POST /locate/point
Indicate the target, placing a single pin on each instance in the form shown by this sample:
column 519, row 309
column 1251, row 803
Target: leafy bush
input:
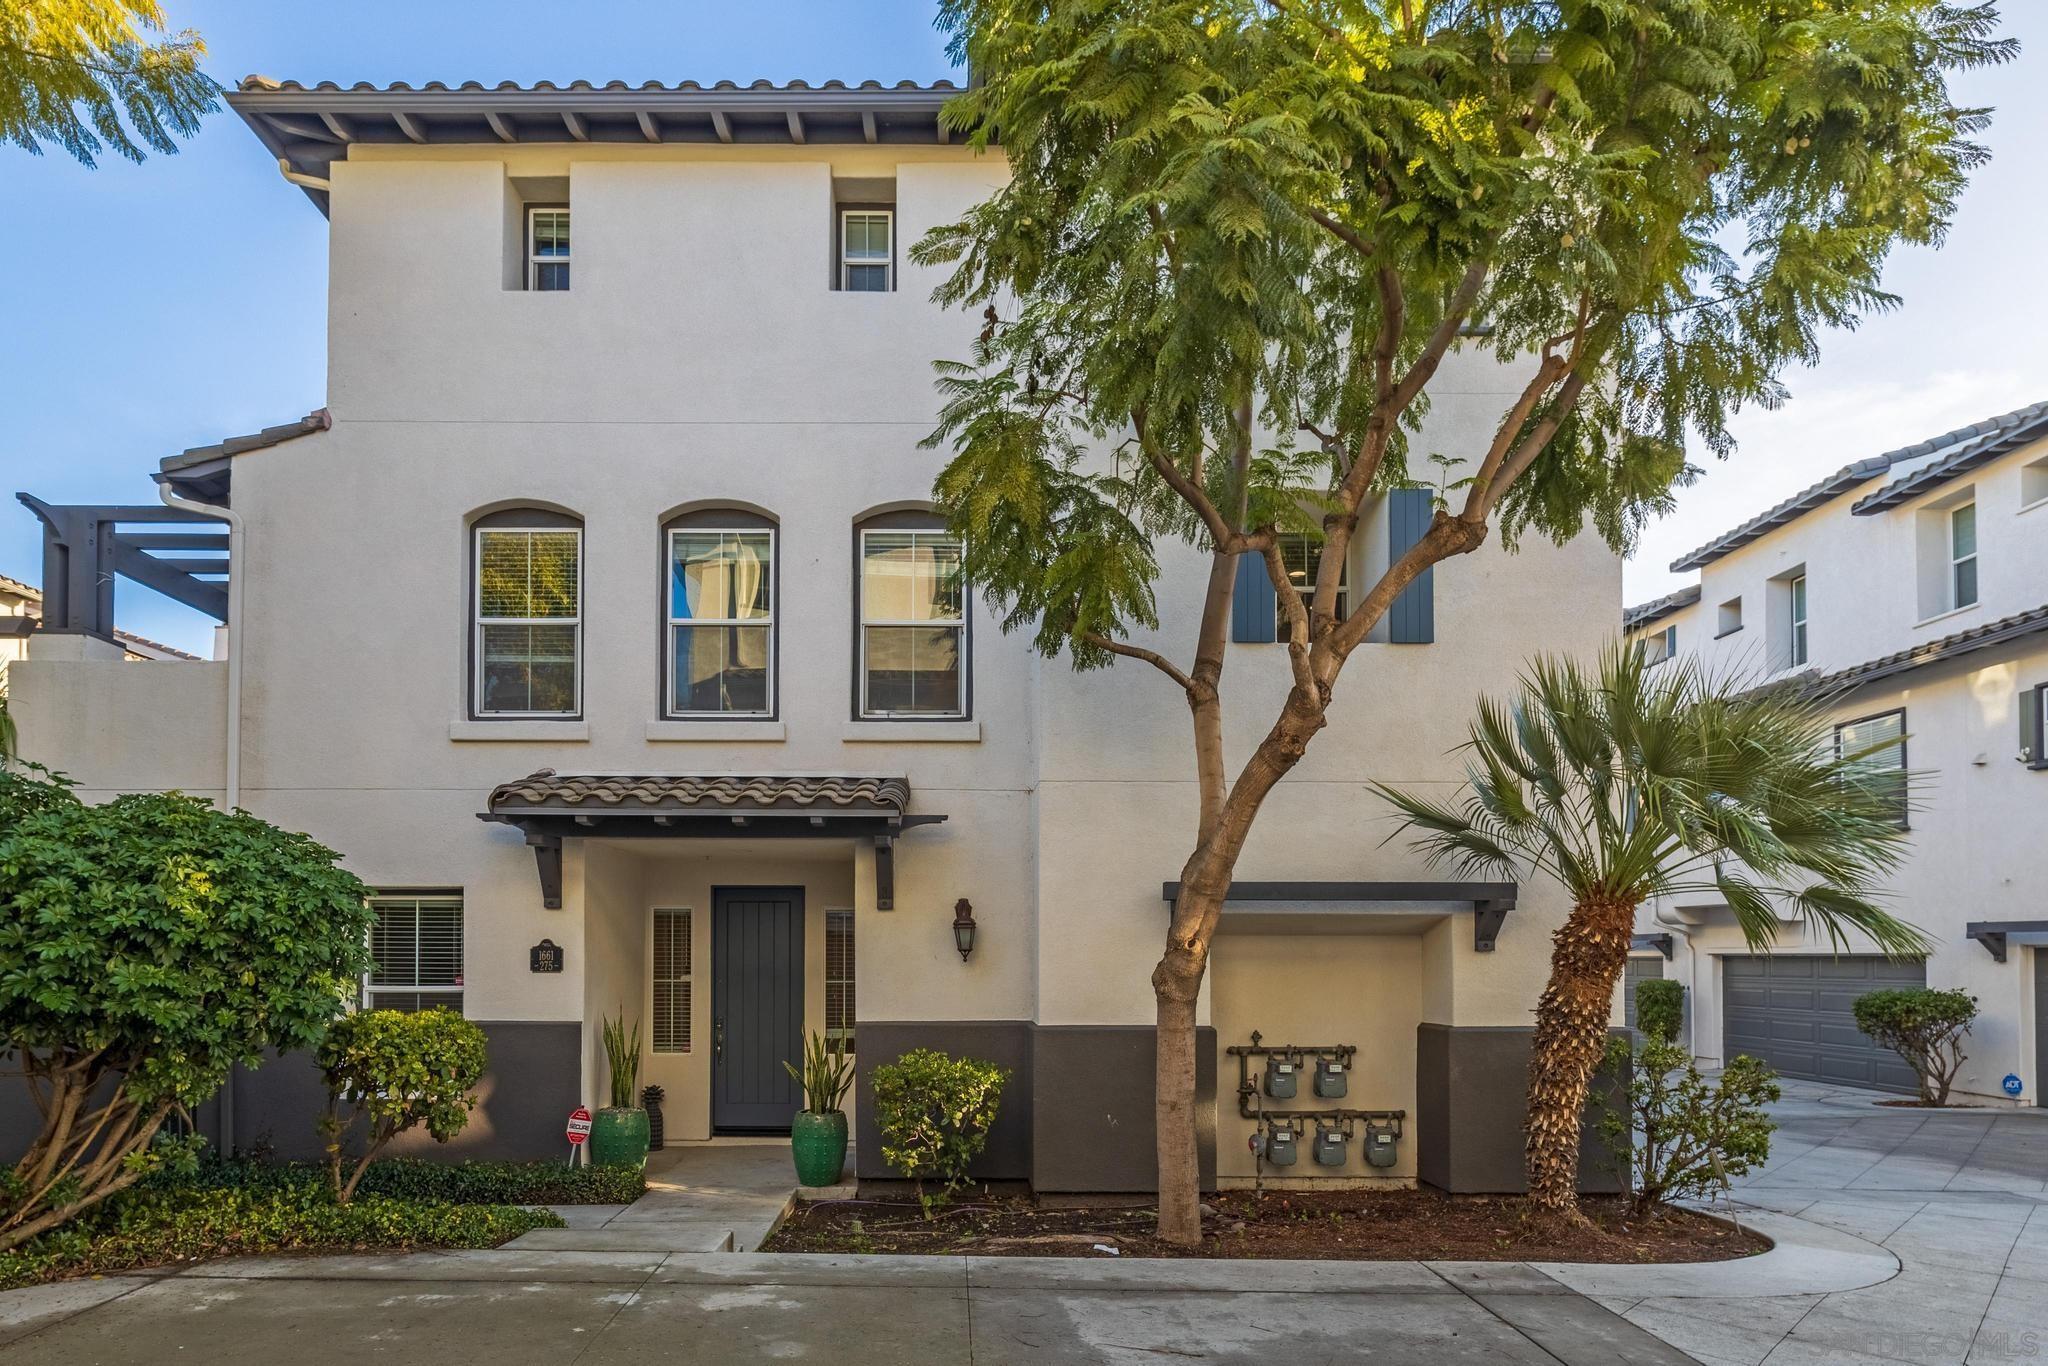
column 148, row 945
column 934, row 1113
column 453, row 1183
column 1684, row 1136
column 1660, row 1008
column 397, row 1070
column 160, row 1222
column 1923, row 1026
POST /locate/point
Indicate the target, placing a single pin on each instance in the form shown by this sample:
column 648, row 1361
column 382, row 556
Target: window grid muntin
column 547, row 272
column 867, row 258
column 416, row 989
column 1963, row 587
column 1302, row 556
column 956, row 624
column 670, row 565
column 839, row 960
column 671, row 974
column 1852, row 736
column 575, row 621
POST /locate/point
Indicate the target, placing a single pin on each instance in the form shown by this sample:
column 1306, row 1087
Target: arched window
column 719, row 600
column 912, row 656
column 526, row 612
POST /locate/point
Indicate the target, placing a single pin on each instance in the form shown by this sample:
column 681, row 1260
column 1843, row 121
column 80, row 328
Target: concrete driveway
column 1957, row 1196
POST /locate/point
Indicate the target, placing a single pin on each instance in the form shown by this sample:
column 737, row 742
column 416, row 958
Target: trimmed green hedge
column 452, row 1183
column 153, row 1224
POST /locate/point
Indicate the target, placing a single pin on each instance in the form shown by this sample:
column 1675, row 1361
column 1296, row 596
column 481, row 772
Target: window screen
column 1875, row 748
column 839, row 977
column 415, row 954
column 671, row 1030
column 721, row 622
column 913, row 625
column 529, row 631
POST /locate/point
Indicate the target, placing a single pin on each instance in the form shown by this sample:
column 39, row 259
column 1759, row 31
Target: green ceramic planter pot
column 818, row 1142
column 618, row 1138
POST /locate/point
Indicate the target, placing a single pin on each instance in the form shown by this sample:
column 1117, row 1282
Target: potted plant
column 817, row 1136
column 618, row 1132
column 651, row 1097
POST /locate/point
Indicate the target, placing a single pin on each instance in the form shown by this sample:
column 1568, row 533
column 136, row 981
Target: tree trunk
column 1180, row 1172
column 1571, row 1035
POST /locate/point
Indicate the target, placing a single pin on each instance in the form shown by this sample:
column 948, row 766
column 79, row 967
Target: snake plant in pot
column 618, row 1132
column 817, row 1135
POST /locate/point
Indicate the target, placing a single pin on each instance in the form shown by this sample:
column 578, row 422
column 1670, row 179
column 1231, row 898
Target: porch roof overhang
column 1998, row 935
column 1319, row 906
column 548, row 808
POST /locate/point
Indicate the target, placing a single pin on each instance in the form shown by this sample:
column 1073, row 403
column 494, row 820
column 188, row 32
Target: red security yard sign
column 579, row 1131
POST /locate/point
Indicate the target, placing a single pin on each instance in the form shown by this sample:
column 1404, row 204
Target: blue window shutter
column 1412, row 618
column 1251, row 602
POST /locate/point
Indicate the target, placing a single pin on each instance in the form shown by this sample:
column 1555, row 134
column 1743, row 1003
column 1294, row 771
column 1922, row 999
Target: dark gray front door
column 757, row 1007
column 1794, row 1011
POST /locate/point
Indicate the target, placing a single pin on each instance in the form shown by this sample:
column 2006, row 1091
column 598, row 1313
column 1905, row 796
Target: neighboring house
column 21, row 610
column 603, row 611
column 1910, row 590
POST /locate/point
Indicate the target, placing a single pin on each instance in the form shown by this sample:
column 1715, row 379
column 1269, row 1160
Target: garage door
column 1795, row 1014
column 1639, row 970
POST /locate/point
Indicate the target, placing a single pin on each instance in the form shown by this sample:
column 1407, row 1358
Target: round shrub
column 934, row 1113
column 1923, row 1026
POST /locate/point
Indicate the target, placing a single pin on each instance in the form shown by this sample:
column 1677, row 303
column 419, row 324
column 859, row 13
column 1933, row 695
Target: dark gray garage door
column 1639, row 969
column 1793, row 1012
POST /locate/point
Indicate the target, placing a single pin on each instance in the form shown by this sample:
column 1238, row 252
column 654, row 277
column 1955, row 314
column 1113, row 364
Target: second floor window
column 529, row 620
column 1661, row 646
column 1875, row 748
column 547, row 249
column 913, row 625
column 864, row 249
column 1796, row 591
column 1962, row 555
column 721, row 621
column 1303, row 556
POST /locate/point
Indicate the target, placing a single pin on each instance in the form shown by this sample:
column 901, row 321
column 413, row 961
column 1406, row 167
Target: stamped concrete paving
column 1960, row 1197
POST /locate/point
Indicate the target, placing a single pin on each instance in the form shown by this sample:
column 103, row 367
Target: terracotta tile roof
column 258, row 83
column 1991, row 633
column 547, row 788
column 1993, row 437
column 1642, row 614
column 319, row 420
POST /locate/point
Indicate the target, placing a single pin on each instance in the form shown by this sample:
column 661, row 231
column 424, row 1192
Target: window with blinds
column 1874, row 750
column 415, row 954
column 529, row 621
column 839, row 977
column 671, row 1027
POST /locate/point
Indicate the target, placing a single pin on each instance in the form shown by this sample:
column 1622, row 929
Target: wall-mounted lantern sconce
column 963, row 927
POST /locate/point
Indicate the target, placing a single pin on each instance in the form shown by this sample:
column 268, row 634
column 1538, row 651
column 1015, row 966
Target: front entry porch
column 701, row 1197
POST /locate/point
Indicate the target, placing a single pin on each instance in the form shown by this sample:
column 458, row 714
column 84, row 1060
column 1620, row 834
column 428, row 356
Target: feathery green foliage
column 1635, row 780
column 70, row 69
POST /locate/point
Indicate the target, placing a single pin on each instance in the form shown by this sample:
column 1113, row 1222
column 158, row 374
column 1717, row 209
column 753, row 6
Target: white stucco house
column 600, row 606
column 1910, row 590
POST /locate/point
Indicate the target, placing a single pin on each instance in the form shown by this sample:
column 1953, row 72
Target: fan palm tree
column 1636, row 780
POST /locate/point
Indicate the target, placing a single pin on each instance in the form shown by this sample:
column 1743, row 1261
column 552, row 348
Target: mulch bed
column 1351, row 1225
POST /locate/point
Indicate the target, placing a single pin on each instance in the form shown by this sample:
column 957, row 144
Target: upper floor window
column 547, row 249
column 1302, row 554
column 1730, row 618
column 528, row 616
column 415, row 953
column 865, row 250
column 721, row 616
column 1962, row 555
column 913, row 624
column 1660, row 646
column 1795, row 592
column 1875, row 749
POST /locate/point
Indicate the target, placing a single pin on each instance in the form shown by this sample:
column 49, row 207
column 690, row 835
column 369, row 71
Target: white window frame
column 1956, row 562
column 415, row 900
column 844, row 1033
column 668, row 691
column 687, row 980
column 1796, row 612
column 847, row 262
column 1307, row 590
column 478, row 621
column 534, row 260
column 860, row 589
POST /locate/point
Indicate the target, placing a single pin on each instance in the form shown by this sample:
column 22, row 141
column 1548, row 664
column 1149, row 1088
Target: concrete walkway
column 701, row 1197
column 1959, row 1197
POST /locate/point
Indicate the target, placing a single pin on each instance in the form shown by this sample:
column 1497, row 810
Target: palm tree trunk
column 1571, row 1035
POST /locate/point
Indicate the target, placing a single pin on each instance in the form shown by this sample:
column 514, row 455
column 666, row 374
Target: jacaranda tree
column 70, row 70
column 1240, row 236
column 1629, row 780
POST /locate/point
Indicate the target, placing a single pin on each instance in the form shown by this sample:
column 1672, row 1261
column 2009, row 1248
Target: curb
column 1805, row 1259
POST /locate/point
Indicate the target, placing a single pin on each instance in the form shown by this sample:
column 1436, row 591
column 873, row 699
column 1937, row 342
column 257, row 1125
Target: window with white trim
column 839, row 978
column 1962, row 555
column 1302, row 555
column 547, row 249
column 866, row 259
column 1874, row 749
column 670, row 1031
column 913, row 625
column 415, row 953
column 721, row 621
column 1795, row 592
column 528, row 609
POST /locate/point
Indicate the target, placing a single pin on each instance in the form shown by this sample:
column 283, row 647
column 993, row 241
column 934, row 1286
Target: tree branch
column 1139, row 652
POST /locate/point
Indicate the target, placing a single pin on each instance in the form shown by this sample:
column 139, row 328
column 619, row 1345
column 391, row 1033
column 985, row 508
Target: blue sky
column 150, row 308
